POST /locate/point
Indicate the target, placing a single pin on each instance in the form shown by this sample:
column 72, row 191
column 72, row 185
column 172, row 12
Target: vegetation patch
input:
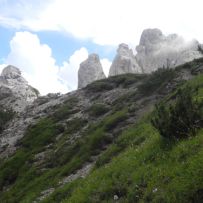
column 124, row 81
column 97, row 109
column 147, row 172
column 66, row 109
column 113, row 120
column 134, row 165
column 5, row 116
column 181, row 119
column 156, row 80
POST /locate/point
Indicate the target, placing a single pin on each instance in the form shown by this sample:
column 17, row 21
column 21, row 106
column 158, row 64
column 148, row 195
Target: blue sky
column 48, row 39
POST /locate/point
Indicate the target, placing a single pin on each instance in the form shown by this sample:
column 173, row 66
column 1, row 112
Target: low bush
column 97, row 110
column 5, row 116
column 66, row 109
column 180, row 119
column 113, row 120
column 156, row 80
column 100, row 86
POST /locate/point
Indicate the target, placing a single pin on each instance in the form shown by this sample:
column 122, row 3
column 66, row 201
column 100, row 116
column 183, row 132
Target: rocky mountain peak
column 15, row 92
column 93, row 57
column 156, row 50
column 90, row 70
column 11, row 72
column 124, row 62
column 124, row 50
column 150, row 36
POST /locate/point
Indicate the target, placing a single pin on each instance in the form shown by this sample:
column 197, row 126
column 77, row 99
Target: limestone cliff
column 90, row 70
column 156, row 50
column 124, row 62
column 15, row 92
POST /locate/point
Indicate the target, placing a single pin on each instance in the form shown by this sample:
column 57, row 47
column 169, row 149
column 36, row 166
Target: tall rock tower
column 15, row 92
column 124, row 62
column 90, row 70
column 156, row 50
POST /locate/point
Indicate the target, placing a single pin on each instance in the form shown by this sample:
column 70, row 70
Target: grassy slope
column 21, row 169
column 144, row 168
column 137, row 167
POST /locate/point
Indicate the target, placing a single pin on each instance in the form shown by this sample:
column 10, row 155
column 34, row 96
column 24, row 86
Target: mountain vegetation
column 132, row 138
column 5, row 116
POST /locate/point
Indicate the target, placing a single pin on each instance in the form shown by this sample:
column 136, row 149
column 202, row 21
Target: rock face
column 15, row 92
column 124, row 62
column 90, row 70
column 156, row 50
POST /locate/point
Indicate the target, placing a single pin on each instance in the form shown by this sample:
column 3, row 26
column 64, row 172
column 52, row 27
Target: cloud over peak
column 104, row 22
column 40, row 68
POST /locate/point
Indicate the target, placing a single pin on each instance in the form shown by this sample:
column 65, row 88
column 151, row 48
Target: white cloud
column 69, row 70
column 2, row 66
column 37, row 64
column 106, row 65
column 106, row 22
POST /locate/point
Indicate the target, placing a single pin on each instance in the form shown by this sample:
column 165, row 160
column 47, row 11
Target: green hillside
column 130, row 161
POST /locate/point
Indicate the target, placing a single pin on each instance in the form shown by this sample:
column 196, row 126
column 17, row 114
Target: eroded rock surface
column 15, row 92
column 90, row 70
column 156, row 50
column 124, row 62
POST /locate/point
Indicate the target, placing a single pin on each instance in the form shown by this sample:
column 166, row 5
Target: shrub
column 156, row 80
column 41, row 134
column 66, row 109
column 181, row 119
column 5, row 116
column 98, row 109
column 113, row 120
column 100, row 86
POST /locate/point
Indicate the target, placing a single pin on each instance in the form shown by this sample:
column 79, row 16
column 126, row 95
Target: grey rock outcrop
column 15, row 92
column 124, row 62
column 90, row 70
column 156, row 50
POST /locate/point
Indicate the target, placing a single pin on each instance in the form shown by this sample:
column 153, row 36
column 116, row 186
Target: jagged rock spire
column 156, row 50
column 15, row 92
column 124, row 62
column 90, row 70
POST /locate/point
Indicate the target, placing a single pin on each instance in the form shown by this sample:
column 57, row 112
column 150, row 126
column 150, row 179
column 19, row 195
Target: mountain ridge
column 68, row 138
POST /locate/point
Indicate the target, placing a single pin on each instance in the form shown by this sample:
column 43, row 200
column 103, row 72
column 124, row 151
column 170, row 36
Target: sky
column 47, row 40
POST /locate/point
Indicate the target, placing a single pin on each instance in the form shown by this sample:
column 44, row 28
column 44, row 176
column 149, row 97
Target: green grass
column 157, row 80
column 66, row 109
column 97, row 110
column 63, row 159
column 91, row 143
column 141, row 166
column 147, row 172
column 136, row 164
column 19, row 170
column 125, row 81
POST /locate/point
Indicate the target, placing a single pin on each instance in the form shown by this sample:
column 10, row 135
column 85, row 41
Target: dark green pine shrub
column 98, row 109
column 5, row 116
column 182, row 118
column 156, row 80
